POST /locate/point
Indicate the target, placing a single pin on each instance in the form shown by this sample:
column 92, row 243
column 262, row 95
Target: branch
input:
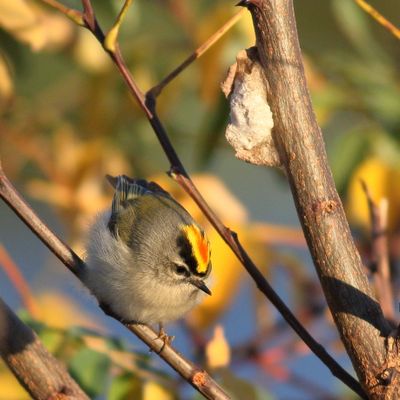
column 299, row 142
column 197, row 377
column 156, row 90
column 378, row 17
column 380, row 255
column 42, row 375
column 74, row 15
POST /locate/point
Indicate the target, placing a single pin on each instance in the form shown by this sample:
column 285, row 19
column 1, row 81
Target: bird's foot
column 167, row 340
column 164, row 336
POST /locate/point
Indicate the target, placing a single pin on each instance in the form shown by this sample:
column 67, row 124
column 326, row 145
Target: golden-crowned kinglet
column 147, row 260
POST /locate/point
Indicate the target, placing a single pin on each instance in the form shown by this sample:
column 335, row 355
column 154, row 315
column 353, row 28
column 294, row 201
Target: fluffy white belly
column 157, row 303
column 132, row 294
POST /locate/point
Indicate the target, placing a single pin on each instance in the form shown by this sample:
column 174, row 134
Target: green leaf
column 125, row 386
column 347, row 151
column 51, row 339
column 356, row 25
column 90, row 369
column 239, row 388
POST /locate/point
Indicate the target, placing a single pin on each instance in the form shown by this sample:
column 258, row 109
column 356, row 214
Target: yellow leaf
column 20, row 20
column 153, row 391
column 60, row 311
column 221, row 200
column 32, row 25
column 6, row 83
column 217, row 350
column 90, row 54
column 383, row 181
column 10, row 387
column 57, row 194
column 246, row 27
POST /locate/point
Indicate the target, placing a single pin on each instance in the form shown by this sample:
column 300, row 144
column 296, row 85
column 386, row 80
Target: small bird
column 147, row 260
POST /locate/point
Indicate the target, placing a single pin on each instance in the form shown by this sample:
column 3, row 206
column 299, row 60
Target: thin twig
column 378, row 17
column 156, row 90
column 88, row 15
column 17, row 279
column 10, row 195
column 380, row 253
column 75, row 15
column 197, row 377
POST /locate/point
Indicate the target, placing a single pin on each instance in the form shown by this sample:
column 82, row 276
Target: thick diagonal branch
column 43, row 376
column 298, row 139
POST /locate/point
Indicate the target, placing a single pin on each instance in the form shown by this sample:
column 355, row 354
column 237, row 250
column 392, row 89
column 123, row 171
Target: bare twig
column 380, row 253
column 156, row 90
column 74, row 15
column 88, row 15
column 378, row 17
column 10, row 195
column 42, row 375
column 179, row 173
column 17, row 279
column 197, row 377
column 297, row 136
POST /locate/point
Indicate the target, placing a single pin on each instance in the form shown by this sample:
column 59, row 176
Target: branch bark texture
column 42, row 375
column 299, row 141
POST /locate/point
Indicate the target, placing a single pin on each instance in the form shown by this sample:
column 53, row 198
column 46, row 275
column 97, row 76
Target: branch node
column 150, row 99
column 110, row 41
column 200, row 378
column 247, row 3
column 386, row 376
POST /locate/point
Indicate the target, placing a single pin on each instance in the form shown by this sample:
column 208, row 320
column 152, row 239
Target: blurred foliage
column 67, row 120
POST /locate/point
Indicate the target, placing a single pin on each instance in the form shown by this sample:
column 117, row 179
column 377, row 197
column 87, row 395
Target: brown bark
column 357, row 314
column 43, row 376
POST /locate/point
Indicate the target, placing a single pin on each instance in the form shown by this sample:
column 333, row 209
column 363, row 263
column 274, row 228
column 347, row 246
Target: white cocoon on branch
column 250, row 123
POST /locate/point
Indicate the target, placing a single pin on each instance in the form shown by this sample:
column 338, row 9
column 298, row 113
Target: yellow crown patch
column 200, row 247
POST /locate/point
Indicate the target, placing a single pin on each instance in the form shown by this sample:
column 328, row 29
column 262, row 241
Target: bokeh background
column 66, row 120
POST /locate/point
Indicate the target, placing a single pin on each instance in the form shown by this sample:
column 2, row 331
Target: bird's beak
column 201, row 285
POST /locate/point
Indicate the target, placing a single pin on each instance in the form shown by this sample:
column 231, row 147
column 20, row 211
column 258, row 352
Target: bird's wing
column 128, row 189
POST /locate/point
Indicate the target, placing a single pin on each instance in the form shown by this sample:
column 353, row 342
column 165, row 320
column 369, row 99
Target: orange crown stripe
column 200, row 247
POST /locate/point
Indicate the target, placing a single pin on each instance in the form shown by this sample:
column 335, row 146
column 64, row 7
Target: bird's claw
column 162, row 335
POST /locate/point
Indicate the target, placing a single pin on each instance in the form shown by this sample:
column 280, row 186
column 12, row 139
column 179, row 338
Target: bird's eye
column 180, row 270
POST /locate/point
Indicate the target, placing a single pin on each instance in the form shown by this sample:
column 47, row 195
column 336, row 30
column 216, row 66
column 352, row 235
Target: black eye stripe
column 186, row 252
